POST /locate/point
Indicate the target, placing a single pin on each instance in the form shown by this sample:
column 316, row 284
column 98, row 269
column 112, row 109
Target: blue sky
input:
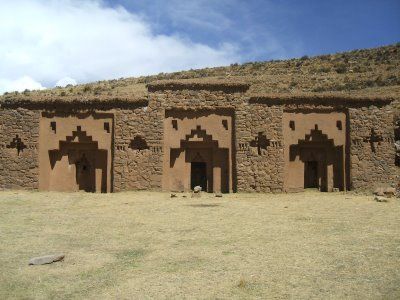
column 276, row 29
column 56, row 42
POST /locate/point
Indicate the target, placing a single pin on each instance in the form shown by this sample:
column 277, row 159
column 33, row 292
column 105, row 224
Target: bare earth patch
column 147, row 245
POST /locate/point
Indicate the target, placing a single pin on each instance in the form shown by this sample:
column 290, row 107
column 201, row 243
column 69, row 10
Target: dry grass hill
column 365, row 73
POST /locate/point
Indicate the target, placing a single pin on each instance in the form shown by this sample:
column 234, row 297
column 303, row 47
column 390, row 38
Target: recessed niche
column 53, row 126
column 107, row 127
column 225, row 124
column 339, row 125
column 138, row 143
column 292, row 125
column 316, row 127
column 78, row 128
column 261, row 142
column 374, row 139
column 18, row 144
column 175, row 124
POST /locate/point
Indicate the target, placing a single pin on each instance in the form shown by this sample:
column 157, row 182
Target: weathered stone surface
column 196, row 195
column 374, row 166
column 257, row 168
column 390, row 191
column 19, row 169
column 385, row 192
column 48, row 259
column 381, row 199
column 379, row 192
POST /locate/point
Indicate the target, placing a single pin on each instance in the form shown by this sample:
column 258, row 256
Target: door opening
column 198, row 175
column 85, row 175
column 311, row 175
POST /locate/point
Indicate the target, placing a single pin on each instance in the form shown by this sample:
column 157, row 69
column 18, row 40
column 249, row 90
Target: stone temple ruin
column 185, row 133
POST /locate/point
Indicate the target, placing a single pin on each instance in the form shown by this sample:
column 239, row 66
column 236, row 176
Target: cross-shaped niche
column 138, row 143
column 18, row 144
column 373, row 139
column 260, row 142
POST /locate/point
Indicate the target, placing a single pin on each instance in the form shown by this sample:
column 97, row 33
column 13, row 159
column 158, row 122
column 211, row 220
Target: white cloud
column 87, row 41
column 20, row 84
column 66, row 81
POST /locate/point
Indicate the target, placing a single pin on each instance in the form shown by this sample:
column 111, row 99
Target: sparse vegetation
column 341, row 68
column 370, row 72
column 146, row 245
column 87, row 88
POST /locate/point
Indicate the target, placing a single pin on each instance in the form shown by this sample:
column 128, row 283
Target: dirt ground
column 143, row 245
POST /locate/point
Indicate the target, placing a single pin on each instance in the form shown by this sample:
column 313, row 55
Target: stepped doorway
column 319, row 162
column 78, row 164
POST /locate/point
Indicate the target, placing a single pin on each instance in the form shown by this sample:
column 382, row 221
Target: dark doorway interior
column 198, row 175
column 311, row 174
column 85, row 174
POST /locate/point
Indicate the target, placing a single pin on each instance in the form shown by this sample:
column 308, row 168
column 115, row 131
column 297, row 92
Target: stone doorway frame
column 317, row 147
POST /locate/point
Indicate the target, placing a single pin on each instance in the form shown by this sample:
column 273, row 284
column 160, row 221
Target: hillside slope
column 368, row 72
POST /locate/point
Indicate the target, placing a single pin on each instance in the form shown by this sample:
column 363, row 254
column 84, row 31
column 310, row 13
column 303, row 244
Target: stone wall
column 19, row 134
column 257, row 139
column 258, row 158
column 138, row 149
column 372, row 147
column 256, row 167
column 200, row 101
column 259, row 150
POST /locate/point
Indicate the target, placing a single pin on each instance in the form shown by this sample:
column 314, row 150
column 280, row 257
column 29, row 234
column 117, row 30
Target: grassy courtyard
column 148, row 245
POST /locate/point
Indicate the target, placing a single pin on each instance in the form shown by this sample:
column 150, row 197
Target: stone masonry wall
column 138, row 166
column 254, row 170
column 258, row 143
column 259, row 167
column 19, row 133
column 196, row 101
column 372, row 152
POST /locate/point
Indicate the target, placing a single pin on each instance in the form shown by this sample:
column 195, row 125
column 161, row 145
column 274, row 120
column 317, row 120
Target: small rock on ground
column 197, row 189
column 380, row 199
column 48, row 259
